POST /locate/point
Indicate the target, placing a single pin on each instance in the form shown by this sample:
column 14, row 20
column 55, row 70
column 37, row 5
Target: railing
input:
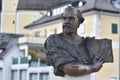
column 37, row 64
column 21, row 60
column 36, row 40
column 15, row 61
column 24, row 60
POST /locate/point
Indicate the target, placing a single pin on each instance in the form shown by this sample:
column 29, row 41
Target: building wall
column 9, row 5
column 13, row 52
column 106, row 24
column 99, row 25
column 24, row 18
column 89, row 24
column 49, row 28
column 8, row 16
column 110, row 69
column 16, row 20
column 8, row 22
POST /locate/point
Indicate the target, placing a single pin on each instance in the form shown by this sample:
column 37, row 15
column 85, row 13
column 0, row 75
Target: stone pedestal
column 85, row 77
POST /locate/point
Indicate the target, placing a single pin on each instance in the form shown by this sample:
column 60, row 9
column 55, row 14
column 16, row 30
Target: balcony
column 20, row 63
column 24, row 60
column 37, row 64
column 15, row 61
column 33, row 40
column 21, row 60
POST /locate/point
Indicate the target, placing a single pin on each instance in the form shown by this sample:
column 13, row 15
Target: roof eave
column 97, row 9
column 46, row 21
column 59, row 17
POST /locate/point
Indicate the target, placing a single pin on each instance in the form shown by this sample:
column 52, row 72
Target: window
column 14, row 4
column 55, row 31
column 13, row 21
column 82, row 29
column 114, row 28
column 43, row 13
column 44, row 76
column 1, row 50
column 54, row 12
column 33, row 76
column 59, row 10
column 45, row 33
column 37, row 34
column 23, row 74
column 14, row 75
column 22, row 53
column 1, row 73
column 113, row 78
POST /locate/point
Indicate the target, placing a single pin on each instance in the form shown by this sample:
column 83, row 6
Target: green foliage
column 33, row 54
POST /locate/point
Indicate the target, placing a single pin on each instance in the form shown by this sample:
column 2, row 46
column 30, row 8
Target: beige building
column 101, row 21
column 13, row 21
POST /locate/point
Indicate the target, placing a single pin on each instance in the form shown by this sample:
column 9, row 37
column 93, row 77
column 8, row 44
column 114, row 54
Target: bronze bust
column 72, row 54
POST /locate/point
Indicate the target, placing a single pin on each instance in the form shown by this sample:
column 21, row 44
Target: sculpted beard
column 67, row 28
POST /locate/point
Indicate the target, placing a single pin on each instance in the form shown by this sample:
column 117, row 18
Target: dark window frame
column 114, row 28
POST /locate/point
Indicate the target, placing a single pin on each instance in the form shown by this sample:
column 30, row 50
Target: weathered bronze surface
column 72, row 54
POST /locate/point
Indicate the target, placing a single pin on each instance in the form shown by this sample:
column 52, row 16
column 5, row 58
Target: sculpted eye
column 64, row 18
column 71, row 18
column 68, row 18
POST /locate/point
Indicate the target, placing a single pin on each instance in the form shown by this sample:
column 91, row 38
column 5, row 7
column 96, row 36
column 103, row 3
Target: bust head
column 72, row 18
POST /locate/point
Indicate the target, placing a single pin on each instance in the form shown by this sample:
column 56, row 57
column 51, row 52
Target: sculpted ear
column 81, row 20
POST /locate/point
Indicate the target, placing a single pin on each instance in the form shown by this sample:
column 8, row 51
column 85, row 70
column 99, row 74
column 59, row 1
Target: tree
column 33, row 54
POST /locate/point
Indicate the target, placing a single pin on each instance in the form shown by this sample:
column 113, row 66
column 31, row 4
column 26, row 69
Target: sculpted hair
column 77, row 12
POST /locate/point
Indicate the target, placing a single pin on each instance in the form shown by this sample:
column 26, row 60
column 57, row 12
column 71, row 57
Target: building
column 101, row 21
column 13, row 22
column 8, row 50
column 15, row 66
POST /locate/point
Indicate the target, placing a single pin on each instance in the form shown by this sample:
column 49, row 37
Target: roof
column 50, row 4
column 6, row 36
column 40, row 4
column 7, row 41
column 5, row 46
column 98, row 5
column 43, row 20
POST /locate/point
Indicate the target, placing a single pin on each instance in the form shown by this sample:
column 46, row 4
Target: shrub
column 33, row 54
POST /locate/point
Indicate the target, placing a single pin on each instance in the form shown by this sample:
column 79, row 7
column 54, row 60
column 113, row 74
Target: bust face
column 70, row 21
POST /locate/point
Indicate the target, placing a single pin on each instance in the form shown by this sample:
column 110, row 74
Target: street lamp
column 116, row 4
